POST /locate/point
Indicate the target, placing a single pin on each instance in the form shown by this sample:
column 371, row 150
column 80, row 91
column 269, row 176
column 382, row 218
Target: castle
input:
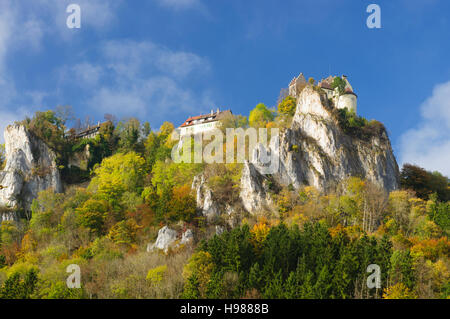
column 347, row 100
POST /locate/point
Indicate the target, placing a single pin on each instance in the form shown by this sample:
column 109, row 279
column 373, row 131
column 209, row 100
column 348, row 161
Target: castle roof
column 298, row 80
column 205, row 118
column 349, row 91
column 327, row 84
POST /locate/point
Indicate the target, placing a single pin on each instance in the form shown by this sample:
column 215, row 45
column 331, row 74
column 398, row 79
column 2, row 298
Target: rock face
column 315, row 151
column 204, row 197
column 254, row 189
column 187, row 237
column 30, row 168
column 166, row 238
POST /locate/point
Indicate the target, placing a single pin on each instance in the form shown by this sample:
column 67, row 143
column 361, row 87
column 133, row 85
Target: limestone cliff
column 315, row 151
column 208, row 207
column 30, row 168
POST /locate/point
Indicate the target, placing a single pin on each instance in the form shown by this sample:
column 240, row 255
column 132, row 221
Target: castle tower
column 349, row 99
column 297, row 84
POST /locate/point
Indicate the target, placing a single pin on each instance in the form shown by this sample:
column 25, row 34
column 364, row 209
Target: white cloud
column 146, row 78
column 86, row 74
column 129, row 58
column 428, row 145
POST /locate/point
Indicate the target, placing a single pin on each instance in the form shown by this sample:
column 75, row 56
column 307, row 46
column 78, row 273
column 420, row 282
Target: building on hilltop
column 297, row 84
column 346, row 100
column 202, row 123
column 89, row 132
column 341, row 101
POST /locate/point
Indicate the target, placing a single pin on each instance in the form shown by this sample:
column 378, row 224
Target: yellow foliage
column 28, row 244
column 398, row 291
column 311, row 192
column 124, row 232
column 156, row 275
column 260, row 232
column 201, row 265
column 355, row 185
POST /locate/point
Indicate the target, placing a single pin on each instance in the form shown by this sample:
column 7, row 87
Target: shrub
column 358, row 126
column 287, row 106
column 260, row 116
column 156, row 275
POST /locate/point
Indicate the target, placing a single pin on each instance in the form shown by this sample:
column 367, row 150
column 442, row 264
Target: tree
column 260, row 116
column 287, row 106
column 398, row 291
column 156, row 275
column 158, row 146
column 233, row 121
column 65, row 113
column 402, row 270
column 183, row 205
column 129, row 135
column 92, row 215
column 16, row 287
column 146, row 129
column 197, row 273
column 124, row 232
column 49, row 128
column 166, row 174
column 439, row 213
column 424, row 183
column 340, row 84
column 118, row 174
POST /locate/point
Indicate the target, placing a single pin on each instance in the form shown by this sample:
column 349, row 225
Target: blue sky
column 167, row 59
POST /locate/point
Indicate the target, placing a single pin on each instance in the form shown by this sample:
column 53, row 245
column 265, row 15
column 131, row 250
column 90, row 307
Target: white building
column 297, row 85
column 346, row 100
column 202, row 123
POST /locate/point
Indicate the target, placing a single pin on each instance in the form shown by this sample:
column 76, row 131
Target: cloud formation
column 428, row 145
column 144, row 77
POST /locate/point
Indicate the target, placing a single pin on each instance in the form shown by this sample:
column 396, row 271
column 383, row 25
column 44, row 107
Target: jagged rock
column 187, row 237
column 30, row 168
column 166, row 238
column 315, row 151
column 205, row 202
column 326, row 155
column 254, row 189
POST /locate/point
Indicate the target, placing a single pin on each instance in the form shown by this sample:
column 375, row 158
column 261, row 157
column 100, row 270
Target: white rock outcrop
column 205, row 202
column 254, row 192
column 187, row 237
column 166, row 238
column 315, row 151
column 30, row 168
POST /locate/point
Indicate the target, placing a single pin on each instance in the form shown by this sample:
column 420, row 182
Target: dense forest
column 317, row 246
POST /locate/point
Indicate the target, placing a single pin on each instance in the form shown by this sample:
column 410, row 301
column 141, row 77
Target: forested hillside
column 317, row 244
